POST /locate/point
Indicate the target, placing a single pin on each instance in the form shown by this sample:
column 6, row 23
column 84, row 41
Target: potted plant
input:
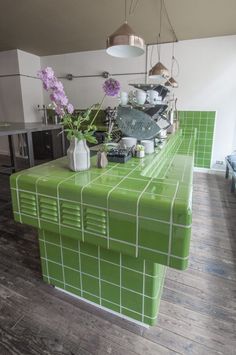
column 140, row 152
column 73, row 125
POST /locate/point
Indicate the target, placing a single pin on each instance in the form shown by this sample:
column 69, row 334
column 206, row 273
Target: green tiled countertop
column 141, row 208
column 107, row 235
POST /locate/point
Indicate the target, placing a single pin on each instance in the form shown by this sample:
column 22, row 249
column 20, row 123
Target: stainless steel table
column 11, row 128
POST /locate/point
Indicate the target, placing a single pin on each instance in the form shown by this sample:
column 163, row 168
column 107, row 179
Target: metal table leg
column 12, row 153
column 227, row 172
column 30, row 148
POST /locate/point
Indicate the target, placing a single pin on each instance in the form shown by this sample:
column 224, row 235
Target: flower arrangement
column 71, row 122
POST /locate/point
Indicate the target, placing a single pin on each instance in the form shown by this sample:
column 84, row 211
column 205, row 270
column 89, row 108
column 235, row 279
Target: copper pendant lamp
column 159, row 71
column 172, row 82
column 124, row 43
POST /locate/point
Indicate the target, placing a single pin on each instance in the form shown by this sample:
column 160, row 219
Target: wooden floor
column 198, row 307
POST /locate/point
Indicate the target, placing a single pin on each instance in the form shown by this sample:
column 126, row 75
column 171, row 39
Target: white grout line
column 59, row 223
column 99, row 276
column 80, row 272
column 120, row 283
column 109, row 310
column 143, row 298
column 105, row 281
column 171, row 225
column 103, row 260
column 137, row 217
column 81, row 195
column 108, row 195
column 45, row 251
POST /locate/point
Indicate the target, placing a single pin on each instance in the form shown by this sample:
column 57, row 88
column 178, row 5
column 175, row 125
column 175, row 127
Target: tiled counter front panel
column 141, row 208
column 204, row 121
column 126, row 285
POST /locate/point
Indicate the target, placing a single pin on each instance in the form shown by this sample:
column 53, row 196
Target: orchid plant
column 72, row 122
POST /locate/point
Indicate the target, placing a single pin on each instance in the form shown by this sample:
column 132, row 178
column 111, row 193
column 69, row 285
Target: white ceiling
column 47, row 27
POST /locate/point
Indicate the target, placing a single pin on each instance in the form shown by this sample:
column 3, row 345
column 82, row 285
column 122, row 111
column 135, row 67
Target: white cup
column 128, row 142
column 124, row 98
column 140, row 96
column 148, row 146
column 153, row 97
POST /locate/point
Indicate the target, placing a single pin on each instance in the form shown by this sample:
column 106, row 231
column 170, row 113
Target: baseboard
column 208, row 170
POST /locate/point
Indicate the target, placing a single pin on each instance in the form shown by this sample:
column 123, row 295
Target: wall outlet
column 219, row 162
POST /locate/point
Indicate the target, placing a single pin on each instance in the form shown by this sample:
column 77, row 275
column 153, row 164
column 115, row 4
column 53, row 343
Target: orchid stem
column 99, row 108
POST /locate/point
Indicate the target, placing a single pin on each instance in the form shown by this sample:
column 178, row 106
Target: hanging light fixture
column 171, row 81
column 124, row 43
column 159, row 71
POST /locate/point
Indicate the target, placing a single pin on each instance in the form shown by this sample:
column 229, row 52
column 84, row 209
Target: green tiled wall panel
column 204, row 121
column 127, row 285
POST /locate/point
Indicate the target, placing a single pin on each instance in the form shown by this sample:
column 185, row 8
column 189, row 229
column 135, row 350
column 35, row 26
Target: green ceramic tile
column 124, row 248
column 96, row 195
column 110, row 292
column 178, row 263
column 72, row 277
column 132, row 300
column 90, row 297
column 90, row 284
column 55, row 271
column 133, row 184
column 52, row 238
column 111, row 306
column 157, row 186
column 182, row 212
column 133, row 278
column 180, row 241
column 89, row 265
column 118, row 201
column 155, row 206
column 48, row 185
column 132, row 263
column 122, row 227
column 152, row 286
column 70, row 242
column 109, row 180
column 73, row 290
column 149, row 238
column 53, row 252
column 70, row 258
column 109, row 255
column 95, row 239
column 110, row 272
column 42, row 249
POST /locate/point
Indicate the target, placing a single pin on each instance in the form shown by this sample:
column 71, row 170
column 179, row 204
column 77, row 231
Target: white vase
column 78, row 155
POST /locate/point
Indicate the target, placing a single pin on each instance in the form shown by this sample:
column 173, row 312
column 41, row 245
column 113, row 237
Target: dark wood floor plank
column 197, row 311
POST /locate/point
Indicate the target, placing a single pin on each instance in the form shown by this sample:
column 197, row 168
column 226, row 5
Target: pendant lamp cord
column 159, row 34
column 125, row 11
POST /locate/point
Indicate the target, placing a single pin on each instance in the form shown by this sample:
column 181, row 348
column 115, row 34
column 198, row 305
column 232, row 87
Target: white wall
column 31, row 86
column 20, row 90
column 11, row 106
column 83, row 92
column 206, row 80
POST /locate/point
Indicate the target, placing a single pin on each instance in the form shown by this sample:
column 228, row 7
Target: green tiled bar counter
column 107, row 235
